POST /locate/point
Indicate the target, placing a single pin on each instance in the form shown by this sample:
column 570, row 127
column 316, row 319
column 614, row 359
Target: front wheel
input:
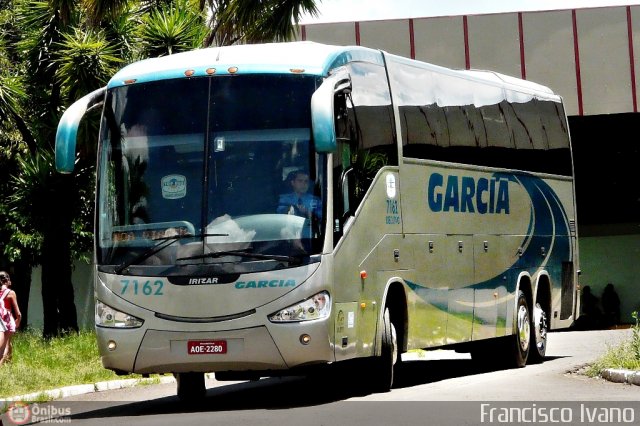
column 385, row 364
column 521, row 340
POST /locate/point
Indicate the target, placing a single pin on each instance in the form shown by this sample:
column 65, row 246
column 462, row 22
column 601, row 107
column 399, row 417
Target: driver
column 299, row 202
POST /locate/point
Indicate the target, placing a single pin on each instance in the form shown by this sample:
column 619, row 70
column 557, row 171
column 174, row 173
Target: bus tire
column 190, row 386
column 385, row 364
column 520, row 342
column 539, row 331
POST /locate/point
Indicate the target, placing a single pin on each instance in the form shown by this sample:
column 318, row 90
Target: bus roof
column 300, row 57
column 303, row 57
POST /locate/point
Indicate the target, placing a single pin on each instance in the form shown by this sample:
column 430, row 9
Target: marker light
column 297, row 70
column 106, row 316
column 305, row 339
column 130, row 81
column 233, row 70
column 211, row 71
column 189, row 73
column 313, row 308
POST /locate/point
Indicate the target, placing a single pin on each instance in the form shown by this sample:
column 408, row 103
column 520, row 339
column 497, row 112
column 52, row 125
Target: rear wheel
column 190, row 386
column 538, row 334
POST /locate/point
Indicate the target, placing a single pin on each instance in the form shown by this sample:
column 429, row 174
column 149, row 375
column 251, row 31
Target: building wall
column 613, row 259
column 588, row 56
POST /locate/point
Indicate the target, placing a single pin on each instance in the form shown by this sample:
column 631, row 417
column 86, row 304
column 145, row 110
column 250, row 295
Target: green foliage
column 36, row 188
column 625, row 356
column 366, row 165
column 635, row 338
column 258, row 21
column 11, row 96
column 86, row 61
column 171, row 29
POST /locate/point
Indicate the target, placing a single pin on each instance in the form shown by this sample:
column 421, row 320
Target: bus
column 273, row 209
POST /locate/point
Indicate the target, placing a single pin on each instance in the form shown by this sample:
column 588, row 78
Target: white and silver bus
column 265, row 209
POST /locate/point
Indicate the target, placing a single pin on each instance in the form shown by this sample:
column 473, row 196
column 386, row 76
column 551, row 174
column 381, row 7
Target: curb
column 631, row 377
column 68, row 391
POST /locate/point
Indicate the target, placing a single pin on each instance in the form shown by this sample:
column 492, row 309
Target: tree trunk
column 57, row 289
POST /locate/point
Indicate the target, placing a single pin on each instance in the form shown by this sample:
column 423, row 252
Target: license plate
column 206, row 347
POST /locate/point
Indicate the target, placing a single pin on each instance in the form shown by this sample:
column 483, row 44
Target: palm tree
column 60, row 60
column 256, row 21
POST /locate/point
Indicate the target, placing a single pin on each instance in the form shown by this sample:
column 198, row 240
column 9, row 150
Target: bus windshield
column 209, row 174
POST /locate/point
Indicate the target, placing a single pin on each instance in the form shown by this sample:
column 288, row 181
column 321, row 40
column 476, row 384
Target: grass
column 624, row 356
column 39, row 364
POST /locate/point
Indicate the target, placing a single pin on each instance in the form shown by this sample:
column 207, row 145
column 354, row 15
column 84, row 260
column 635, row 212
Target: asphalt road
column 438, row 388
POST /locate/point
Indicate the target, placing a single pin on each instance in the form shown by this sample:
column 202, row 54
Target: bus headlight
column 106, row 316
column 316, row 307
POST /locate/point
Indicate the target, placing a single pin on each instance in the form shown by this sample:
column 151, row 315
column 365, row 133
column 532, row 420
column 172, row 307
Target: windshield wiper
column 163, row 242
column 241, row 253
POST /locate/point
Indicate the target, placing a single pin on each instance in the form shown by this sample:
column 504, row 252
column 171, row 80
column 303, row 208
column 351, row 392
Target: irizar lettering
column 265, row 284
column 203, row 280
column 464, row 194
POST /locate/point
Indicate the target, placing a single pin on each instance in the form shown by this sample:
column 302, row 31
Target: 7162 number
column 146, row 288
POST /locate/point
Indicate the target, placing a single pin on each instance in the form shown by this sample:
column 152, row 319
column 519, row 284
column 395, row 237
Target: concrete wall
column 613, row 259
column 588, row 56
column 82, row 279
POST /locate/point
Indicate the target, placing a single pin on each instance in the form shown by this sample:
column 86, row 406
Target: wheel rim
column 394, row 345
column 524, row 327
column 540, row 327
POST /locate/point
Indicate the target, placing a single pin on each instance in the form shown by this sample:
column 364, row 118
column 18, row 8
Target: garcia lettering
column 464, row 194
column 265, row 284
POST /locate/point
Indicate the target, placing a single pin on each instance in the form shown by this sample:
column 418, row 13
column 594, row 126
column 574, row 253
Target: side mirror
column 67, row 132
column 322, row 110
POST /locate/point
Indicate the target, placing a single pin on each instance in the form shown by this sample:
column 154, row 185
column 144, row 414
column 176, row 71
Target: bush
column 625, row 356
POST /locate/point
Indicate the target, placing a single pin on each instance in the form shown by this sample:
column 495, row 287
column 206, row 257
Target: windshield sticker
column 173, row 187
column 266, row 284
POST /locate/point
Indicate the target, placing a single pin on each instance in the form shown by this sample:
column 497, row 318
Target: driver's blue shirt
column 289, row 203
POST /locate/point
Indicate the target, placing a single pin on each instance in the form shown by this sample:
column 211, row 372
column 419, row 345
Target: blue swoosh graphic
column 548, row 227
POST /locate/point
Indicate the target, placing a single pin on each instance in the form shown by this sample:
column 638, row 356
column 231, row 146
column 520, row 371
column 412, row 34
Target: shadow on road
column 282, row 393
